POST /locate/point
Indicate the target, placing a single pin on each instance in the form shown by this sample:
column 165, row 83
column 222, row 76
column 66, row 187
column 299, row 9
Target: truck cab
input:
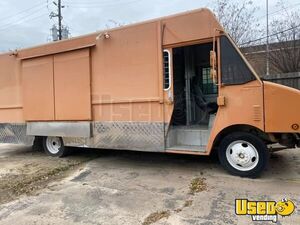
column 222, row 105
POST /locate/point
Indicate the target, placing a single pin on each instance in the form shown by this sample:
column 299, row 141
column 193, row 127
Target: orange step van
column 177, row 84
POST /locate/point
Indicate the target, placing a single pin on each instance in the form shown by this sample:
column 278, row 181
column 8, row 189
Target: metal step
column 188, row 136
column 191, row 148
column 192, row 137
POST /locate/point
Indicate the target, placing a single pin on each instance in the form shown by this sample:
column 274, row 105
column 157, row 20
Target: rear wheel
column 243, row 154
column 54, row 146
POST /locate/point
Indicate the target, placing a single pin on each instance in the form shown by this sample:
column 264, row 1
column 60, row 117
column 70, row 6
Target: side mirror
column 213, row 59
column 213, row 75
column 213, row 66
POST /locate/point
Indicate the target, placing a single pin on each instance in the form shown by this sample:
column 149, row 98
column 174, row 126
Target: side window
column 208, row 86
column 233, row 68
column 167, row 69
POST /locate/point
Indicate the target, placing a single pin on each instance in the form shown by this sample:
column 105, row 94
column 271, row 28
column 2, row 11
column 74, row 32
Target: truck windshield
column 233, row 68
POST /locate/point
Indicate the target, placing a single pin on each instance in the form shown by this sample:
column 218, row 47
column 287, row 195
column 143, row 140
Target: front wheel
column 54, row 146
column 243, row 154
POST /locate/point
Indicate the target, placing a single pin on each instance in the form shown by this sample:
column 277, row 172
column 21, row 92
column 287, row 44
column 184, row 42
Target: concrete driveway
column 120, row 187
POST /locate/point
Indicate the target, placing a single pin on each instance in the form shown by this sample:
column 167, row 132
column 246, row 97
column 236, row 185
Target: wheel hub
column 53, row 144
column 242, row 155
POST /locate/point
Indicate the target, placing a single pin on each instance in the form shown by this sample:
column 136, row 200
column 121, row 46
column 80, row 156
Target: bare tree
column 285, row 47
column 238, row 19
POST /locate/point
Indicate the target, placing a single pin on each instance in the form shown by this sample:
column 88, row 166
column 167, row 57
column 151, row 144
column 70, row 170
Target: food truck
column 177, row 84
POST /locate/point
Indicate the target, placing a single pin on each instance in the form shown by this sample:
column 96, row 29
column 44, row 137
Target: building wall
column 256, row 55
column 281, row 53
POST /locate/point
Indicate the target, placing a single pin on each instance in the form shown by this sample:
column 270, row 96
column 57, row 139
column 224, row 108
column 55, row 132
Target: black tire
column 38, row 144
column 58, row 144
column 247, row 141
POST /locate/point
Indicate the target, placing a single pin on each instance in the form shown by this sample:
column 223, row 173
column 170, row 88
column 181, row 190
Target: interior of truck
column 195, row 97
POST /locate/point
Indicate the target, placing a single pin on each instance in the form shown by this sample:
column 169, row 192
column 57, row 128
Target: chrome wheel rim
column 242, row 155
column 53, row 144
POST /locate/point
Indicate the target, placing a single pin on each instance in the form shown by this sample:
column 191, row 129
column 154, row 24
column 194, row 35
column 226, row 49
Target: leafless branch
column 238, row 19
column 285, row 47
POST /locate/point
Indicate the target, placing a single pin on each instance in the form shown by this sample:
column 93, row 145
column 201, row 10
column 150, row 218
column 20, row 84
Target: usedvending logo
column 264, row 210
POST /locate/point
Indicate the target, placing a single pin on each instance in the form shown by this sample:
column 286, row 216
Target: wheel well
column 289, row 140
column 37, row 143
column 236, row 128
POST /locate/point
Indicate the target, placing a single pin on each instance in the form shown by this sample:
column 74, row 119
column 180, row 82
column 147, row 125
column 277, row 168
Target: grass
column 154, row 217
column 198, row 185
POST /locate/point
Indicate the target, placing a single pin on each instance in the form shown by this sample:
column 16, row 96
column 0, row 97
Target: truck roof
column 89, row 40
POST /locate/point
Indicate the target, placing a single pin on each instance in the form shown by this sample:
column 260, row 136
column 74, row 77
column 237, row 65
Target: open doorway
column 195, row 97
column 195, row 94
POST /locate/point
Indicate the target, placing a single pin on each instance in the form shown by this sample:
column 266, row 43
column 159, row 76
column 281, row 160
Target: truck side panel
column 243, row 105
column 190, row 27
column 11, row 110
column 125, row 75
column 12, row 126
column 38, row 89
column 130, row 109
column 72, row 86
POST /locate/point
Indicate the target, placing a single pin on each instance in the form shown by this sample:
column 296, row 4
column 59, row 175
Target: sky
column 25, row 23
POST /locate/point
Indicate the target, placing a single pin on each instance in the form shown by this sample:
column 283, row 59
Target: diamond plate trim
column 11, row 133
column 78, row 142
column 129, row 135
column 123, row 135
column 111, row 135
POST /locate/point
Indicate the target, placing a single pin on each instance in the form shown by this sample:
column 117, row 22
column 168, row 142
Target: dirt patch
column 198, row 185
column 154, row 217
column 24, row 172
column 187, row 203
column 14, row 186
